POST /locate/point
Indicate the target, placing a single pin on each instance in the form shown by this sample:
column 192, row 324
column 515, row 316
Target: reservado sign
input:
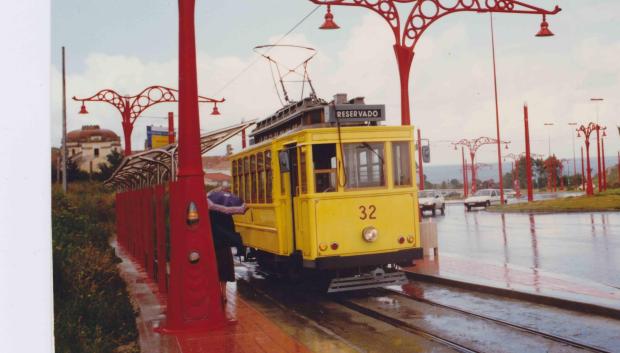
column 356, row 112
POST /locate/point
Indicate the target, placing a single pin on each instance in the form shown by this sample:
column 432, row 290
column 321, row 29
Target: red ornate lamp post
column 421, row 16
column 131, row 107
column 603, row 169
column 583, row 176
column 194, row 299
column 586, row 131
column 472, row 146
column 528, row 156
column 515, row 171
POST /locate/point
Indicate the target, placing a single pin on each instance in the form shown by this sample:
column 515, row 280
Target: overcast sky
column 129, row 45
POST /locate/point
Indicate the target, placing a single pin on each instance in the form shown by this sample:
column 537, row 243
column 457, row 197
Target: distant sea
column 438, row 173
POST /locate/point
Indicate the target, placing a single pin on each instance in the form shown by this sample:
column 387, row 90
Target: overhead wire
column 244, row 70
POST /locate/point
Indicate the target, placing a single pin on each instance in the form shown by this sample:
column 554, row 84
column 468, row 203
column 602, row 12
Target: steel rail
column 549, row 336
column 405, row 326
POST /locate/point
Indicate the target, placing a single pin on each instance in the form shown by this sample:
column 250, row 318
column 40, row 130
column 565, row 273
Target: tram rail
column 546, row 335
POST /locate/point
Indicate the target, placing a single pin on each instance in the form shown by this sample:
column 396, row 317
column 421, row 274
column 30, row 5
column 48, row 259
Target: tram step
column 374, row 279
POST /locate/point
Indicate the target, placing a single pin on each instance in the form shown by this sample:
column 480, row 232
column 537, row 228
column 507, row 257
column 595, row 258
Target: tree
column 106, row 169
column 74, row 172
column 455, row 184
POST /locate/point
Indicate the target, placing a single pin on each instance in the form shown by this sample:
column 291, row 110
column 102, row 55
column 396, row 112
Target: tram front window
column 324, row 166
column 364, row 163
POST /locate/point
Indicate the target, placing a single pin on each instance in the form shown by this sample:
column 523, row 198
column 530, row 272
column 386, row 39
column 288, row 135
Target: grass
column 605, row 201
column 92, row 309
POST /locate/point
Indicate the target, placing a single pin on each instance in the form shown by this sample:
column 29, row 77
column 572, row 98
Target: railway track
column 365, row 304
column 400, row 323
column 546, row 335
column 405, row 326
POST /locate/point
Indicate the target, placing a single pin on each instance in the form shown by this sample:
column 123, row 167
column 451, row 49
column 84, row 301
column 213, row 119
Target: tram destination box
column 355, row 112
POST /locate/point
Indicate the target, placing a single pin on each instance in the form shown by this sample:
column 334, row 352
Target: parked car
column 483, row 198
column 510, row 193
column 431, row 200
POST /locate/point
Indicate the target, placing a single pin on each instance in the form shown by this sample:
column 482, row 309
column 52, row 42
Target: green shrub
column 92, row 311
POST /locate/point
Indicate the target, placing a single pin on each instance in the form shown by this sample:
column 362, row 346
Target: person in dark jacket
column 224, row 237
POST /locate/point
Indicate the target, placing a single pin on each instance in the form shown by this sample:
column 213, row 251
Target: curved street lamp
column 586, row 131
column 421, row 16
column 472, row 146
column 131, row 107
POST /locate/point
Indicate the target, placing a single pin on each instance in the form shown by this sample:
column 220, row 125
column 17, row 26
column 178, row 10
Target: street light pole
column 574, row 157
column 583, row 176
column 194, row 300
column 587, row 130
column 549, row 136
column 421, row 16
column 499, row 148
column 597, row 102
column 131, row 107
column 528, row 157
column 604, row 169
column 64, row 125
column 465, row 187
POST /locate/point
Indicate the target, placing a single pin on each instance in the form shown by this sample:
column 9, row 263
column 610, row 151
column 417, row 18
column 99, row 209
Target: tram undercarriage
column 337, row 276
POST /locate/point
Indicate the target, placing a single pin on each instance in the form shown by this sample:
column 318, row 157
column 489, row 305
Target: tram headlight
column 370, row 234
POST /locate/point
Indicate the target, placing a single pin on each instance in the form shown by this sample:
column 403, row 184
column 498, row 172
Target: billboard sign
column 156, row 137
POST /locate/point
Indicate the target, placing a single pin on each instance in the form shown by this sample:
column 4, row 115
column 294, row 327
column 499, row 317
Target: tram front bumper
column 341, row 262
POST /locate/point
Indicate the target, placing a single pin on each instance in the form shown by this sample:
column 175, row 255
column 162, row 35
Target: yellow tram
column 337, row 196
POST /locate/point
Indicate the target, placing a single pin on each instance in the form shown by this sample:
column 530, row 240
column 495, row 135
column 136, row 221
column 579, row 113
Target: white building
column 90, row 146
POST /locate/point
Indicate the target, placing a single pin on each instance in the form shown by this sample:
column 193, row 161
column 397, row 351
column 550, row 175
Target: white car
column 431, row 200
column 483, row 198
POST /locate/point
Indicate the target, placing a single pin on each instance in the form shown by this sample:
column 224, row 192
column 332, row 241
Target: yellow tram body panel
column 279, row 223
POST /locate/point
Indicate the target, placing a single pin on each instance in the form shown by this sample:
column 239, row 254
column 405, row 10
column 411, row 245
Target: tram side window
column 324, row 167
column 253, row 188
column 234, row 176
column 269, row 177
column 401, row 157
column 302, row 172
column 364, row 163
column 239, row 178
column 246, row 170
column 261, row 177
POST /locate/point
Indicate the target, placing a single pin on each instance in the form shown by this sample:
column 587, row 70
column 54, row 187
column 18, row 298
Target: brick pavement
column 252, row 332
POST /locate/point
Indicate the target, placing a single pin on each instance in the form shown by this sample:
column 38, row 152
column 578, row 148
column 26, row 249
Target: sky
column 129, row 45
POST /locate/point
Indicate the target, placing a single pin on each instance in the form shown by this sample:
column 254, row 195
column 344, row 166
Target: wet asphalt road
column 582, row 245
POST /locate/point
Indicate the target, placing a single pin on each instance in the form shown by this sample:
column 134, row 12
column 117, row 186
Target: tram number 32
column 367, row 212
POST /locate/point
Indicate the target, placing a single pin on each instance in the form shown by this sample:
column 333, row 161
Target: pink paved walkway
column 252, row 332
column 520, row 279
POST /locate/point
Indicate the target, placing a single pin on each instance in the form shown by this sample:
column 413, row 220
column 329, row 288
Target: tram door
column 289, row 169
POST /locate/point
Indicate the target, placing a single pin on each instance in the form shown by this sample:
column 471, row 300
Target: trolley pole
column 421, row 167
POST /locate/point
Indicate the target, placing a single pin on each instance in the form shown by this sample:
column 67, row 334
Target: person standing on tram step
column 222, row 205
